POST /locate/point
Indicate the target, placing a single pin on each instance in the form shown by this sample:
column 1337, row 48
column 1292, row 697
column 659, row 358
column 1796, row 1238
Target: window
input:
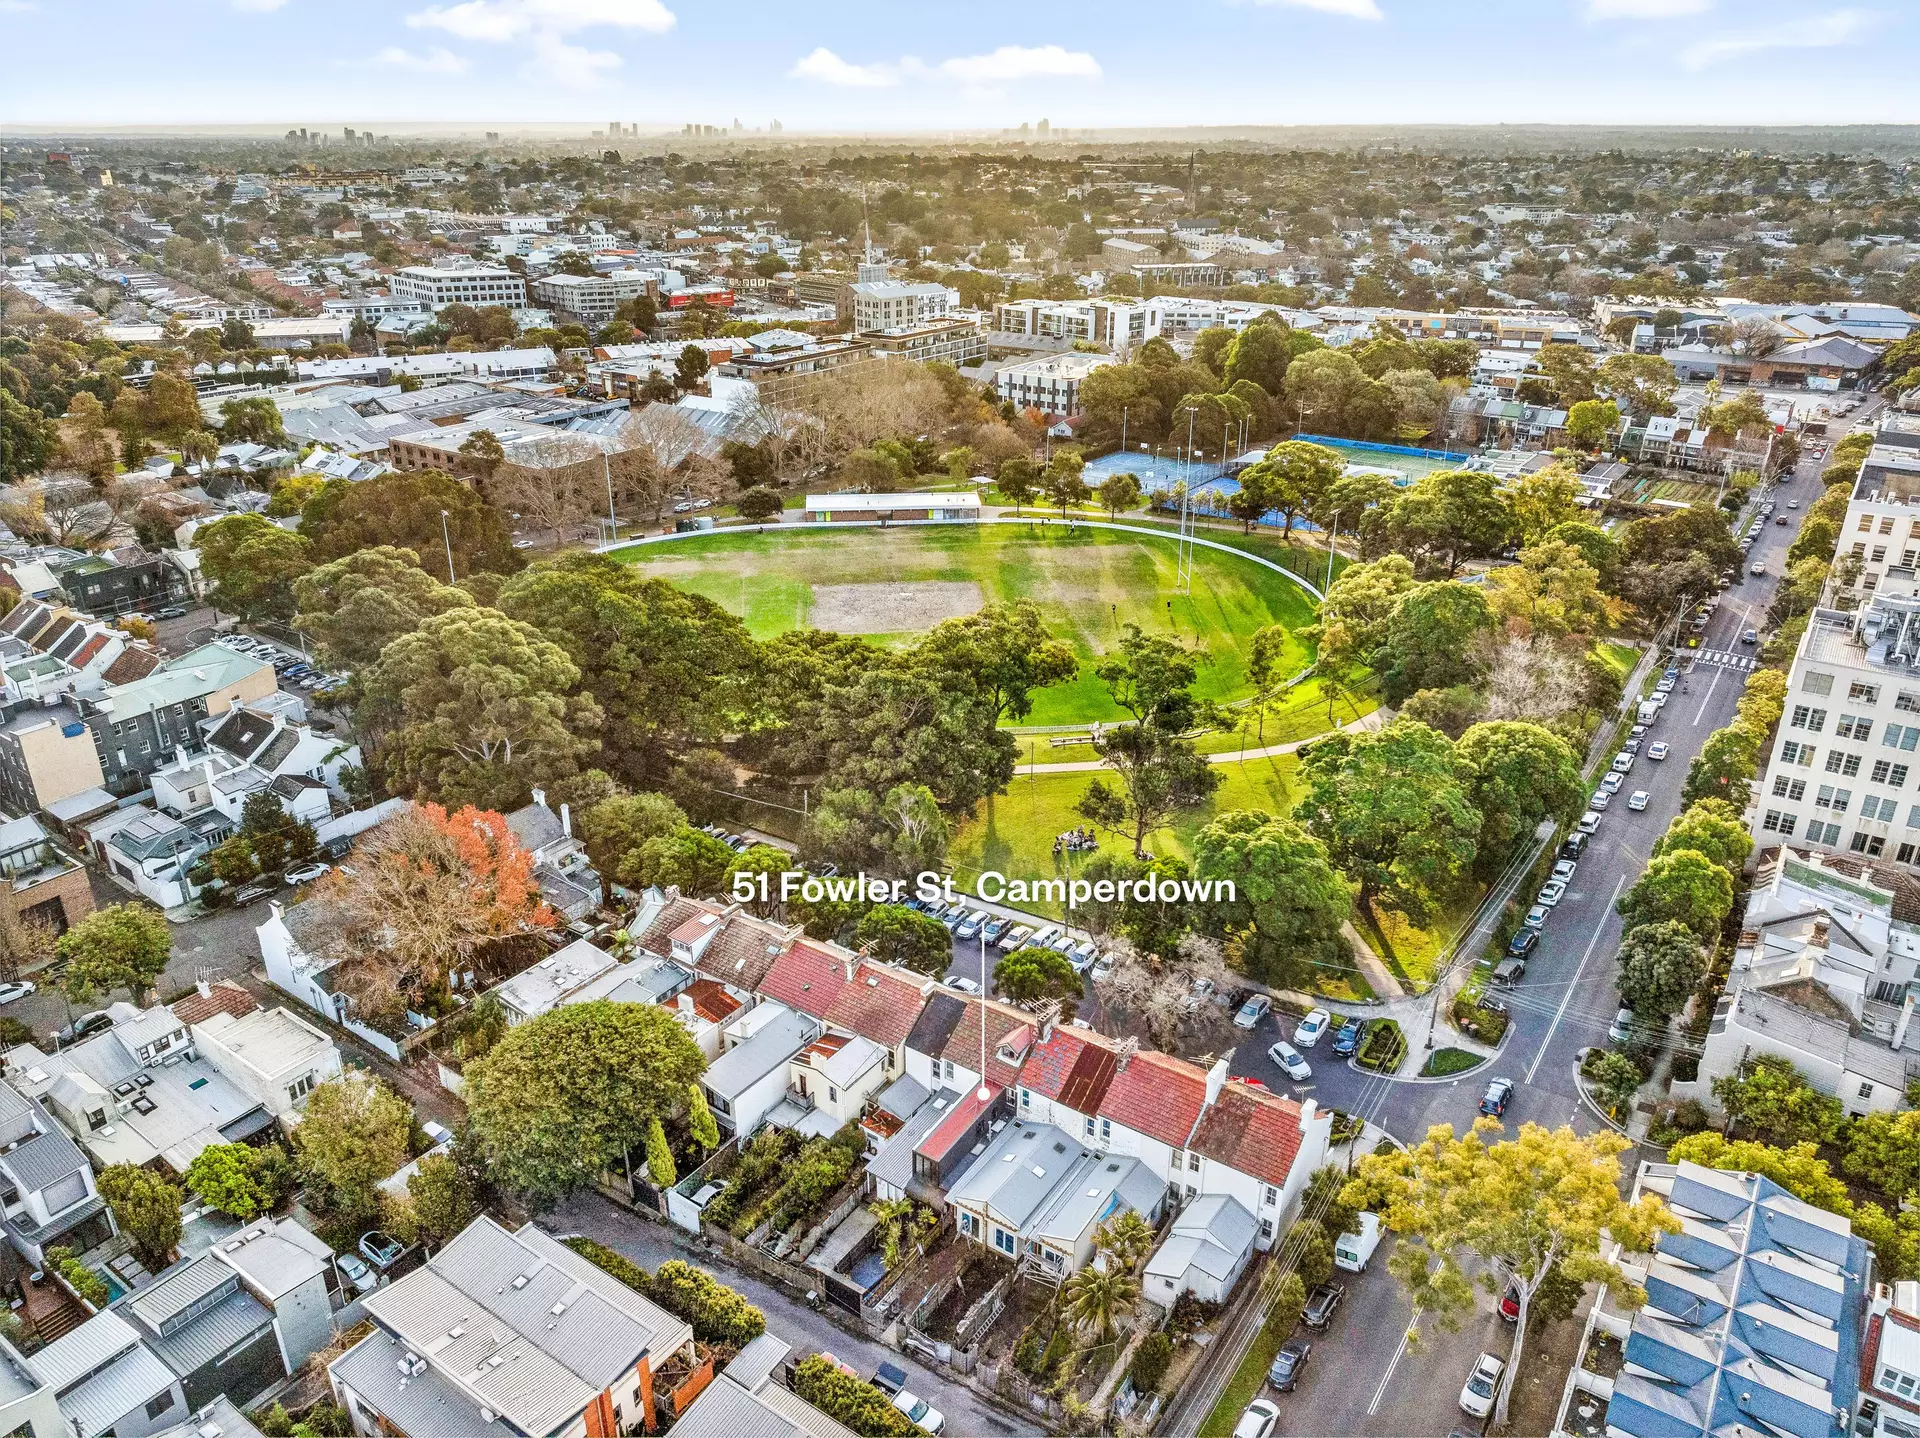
column 300, row 1087
column 1792, row 752
column 1868, row 844
column 1271, row 1196
column 1840, row 762
column 1811, row 719
column 1815, row 683
column 1106, row 1130
column 1852, row 726
column 1193, row 1162
column 1785, row 788
column 833, row 1094
column 1885, row 771
column 1866, row 524
column 1819, row 833
column 1894, row 1381
column 1089, row 1127
column 969, row 1225
column 159, row 1403
column 1878, row 811
column 1907, row 701
column 949, row 1067
column 1828, row 797
column 1859, row 551
column 1865, row 693
column 1003, row 1240
column 1778, row 823
column 1026, row 1098
column 1899, row 736
column 1886, row 524
column 1866, row 1090
column 1879, row 554
column 1905, row 855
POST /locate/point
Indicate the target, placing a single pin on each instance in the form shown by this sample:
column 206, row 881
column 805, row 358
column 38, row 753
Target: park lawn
column 1013, row 833
column 1300, row 714
column 1089, row 584
column 1414, row 953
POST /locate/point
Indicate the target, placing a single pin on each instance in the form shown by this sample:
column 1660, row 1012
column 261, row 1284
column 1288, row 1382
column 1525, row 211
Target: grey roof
column 88, row 1348
column 219, row 1414
column 1019, row 1170
column 130, row 1383
column 754, row 1364
column 1214, row 1234
column 744, row 1065
column 225, row 1326
column 41, row 1162
column 894, row 1163
column 177, row 1290
column 276, row 1257
column 535, row 826
column 727, row 1410
column 427, row 1405
column 16, row 1115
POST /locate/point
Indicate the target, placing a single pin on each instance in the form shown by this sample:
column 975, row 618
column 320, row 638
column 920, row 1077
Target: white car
column 1252, row 1011
column 1288, row 1057
column 920, row 1413
column 1311, row 1027
column 1598, row 800
column 1564, row 870
column 1551, row 893
column 1638, row 800
column 10, row 992
column 1589, row 822
column 963, row 984
column 1257, row 1421
column 1622, row 761
column 1536, row 917
column 1658, row 750
column 1482, row 1384
column 307, row 873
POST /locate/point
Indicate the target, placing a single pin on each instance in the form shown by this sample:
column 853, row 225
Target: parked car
column 252, row 894
column 1257, row 1421
column 1476, row 1397
column 1758, row 568
column 962, row 984
column 1321, row 1304
column 1523, row 943
column 11, row 991
column 1564, row 870
column 1551, row 893
column 1509, row 971
column 380, row 1249
column 1288, row 1057
column 970, row 926
column 1307, row 1034
column 993, row 931
column 889, row 1378
column 1638, row 800
column 1102, row 967
column 172, row 611
column 307, row 873
column 1252, row 1011
column 920, row 1413
column 1499, row 1094
column 1598, row 800
column 1658, row 750
column 1015, row 938
column 1621, row 1029
column 1622, row 762
column 438, row 1133
column 1346, row 1038
column 1536, row 917
column 1575, row 845
column 83, row 1027
column 1611, row 781
column 1589, row 823
column 352, row 1268
column 1284, row 1372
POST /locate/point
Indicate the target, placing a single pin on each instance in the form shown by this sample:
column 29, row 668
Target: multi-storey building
column 1117, row 323
column 889, row 304
column 1050, row 385
column 592, row 299
column 1881, row 531
column 437, row 287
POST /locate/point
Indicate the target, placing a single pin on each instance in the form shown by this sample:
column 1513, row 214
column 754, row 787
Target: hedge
column 1383, row 1047
column 1150, row 1362
column 861, row 1406
column 719, row 1316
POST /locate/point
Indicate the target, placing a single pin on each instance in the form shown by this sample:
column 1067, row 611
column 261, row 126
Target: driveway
column 650, row 1244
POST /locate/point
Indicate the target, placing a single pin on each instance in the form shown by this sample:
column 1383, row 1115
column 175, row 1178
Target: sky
column 908, row 65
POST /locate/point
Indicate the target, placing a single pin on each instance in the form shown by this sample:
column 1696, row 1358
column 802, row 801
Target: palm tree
column 1125, row 1239
column 1095, row 1298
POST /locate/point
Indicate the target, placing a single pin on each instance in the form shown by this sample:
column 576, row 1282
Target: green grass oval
column 1088, row 584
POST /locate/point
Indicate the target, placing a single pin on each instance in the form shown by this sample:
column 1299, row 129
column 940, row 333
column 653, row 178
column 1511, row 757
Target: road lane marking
column 1708, row 699
column 1398, row 1353
column 1567, row 998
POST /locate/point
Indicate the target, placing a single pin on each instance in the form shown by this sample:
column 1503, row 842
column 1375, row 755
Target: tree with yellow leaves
column 1545, row 1200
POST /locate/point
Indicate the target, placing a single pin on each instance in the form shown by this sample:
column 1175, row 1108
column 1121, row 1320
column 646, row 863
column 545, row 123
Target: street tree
column 1517, row 775
column 1660, row 967
column 895, row 934
column 253, row 565
column 1541, row 501
column 1727, row 761
column 1683, row 885
column 1711, row 827
column 1289, row 904
column 122, row 946
column 1551, row 594
column 355, row 606
column 353, row 1133
column 898, row 834
column 1542, row 1202
column 570, row 1094
column 1031, row 976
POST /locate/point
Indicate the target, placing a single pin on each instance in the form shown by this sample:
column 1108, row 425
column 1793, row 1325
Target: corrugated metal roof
column 73, row 1356
column 129, row 1384
column 41, row 1162
column 425, row 1405
column 727, row 1410
column 179, row 1289
column 194, row 1345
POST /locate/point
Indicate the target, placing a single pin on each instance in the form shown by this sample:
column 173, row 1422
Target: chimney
column 684, row 1002
column 852, row 962
column 275, row 908
column 566, row 820
column 1216, row 1080
column 540, row 797
column 205, row 988
column 1819, row 940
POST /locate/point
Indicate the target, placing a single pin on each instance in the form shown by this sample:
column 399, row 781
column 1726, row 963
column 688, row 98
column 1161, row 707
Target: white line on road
column 1398, row 1354
column 1567, row 998
column 1708, row 699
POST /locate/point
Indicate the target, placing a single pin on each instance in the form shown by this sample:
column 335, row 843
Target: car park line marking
column 1398, row 1353
column 1567, row 998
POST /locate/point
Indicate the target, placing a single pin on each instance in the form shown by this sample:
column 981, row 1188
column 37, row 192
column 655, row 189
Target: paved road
column 1564, row 1006
column 650, row 1244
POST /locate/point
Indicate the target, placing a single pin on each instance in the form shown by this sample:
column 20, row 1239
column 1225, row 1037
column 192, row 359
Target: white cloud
column 1645, row 9
column 1813, row 32
column 16, row 7
column 438, row 60
column 1020, row 62
column 827, row 68
column 574, row 66
column 258, row 6
column 1352, row 9
column 1007, row 65
column 501, row 20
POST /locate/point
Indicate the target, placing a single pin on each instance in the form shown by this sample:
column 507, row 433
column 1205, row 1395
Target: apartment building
column 889, row 304
column 1881, row 531
column 437, row 286
column 139, row 726
column 1844, row 776
column 1117, row 323
column 592, row 299
column 1050, row 385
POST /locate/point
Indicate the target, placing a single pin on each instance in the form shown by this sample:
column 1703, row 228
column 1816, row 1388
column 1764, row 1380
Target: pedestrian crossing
column 1724, row 659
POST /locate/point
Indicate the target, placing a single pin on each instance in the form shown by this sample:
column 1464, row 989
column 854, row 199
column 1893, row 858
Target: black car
column 1320, row 1305
column 1498, row 1095
column 1575, row 846
column 1287, row 1364
column 1523, row 943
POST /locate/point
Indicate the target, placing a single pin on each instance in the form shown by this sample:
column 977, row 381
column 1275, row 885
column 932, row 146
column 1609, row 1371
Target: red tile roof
column 806, row 977
column 958, row 1124
column 1251, row 1131
column 85, row 652
column 1158, row 1095
column 221, row 998
column 711, row 1000
column 1071, row 1068
column 963, row 1044
column 880, row 1004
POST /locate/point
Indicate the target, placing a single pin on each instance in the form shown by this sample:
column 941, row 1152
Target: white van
column 1352, row 1250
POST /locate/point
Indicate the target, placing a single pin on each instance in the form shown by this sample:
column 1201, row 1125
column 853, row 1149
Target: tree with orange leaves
column 426, row 893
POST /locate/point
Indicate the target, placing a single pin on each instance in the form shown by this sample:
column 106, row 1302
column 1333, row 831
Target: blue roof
column 1752, row 1317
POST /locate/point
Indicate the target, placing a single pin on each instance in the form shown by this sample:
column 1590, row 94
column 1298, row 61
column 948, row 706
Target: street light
column 447, row 535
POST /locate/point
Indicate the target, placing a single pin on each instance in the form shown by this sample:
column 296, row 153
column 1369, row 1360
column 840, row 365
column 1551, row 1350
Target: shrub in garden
column 1383, row 1047
column 718, row 1314
column 1150, row 1362
column 861, row 1406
